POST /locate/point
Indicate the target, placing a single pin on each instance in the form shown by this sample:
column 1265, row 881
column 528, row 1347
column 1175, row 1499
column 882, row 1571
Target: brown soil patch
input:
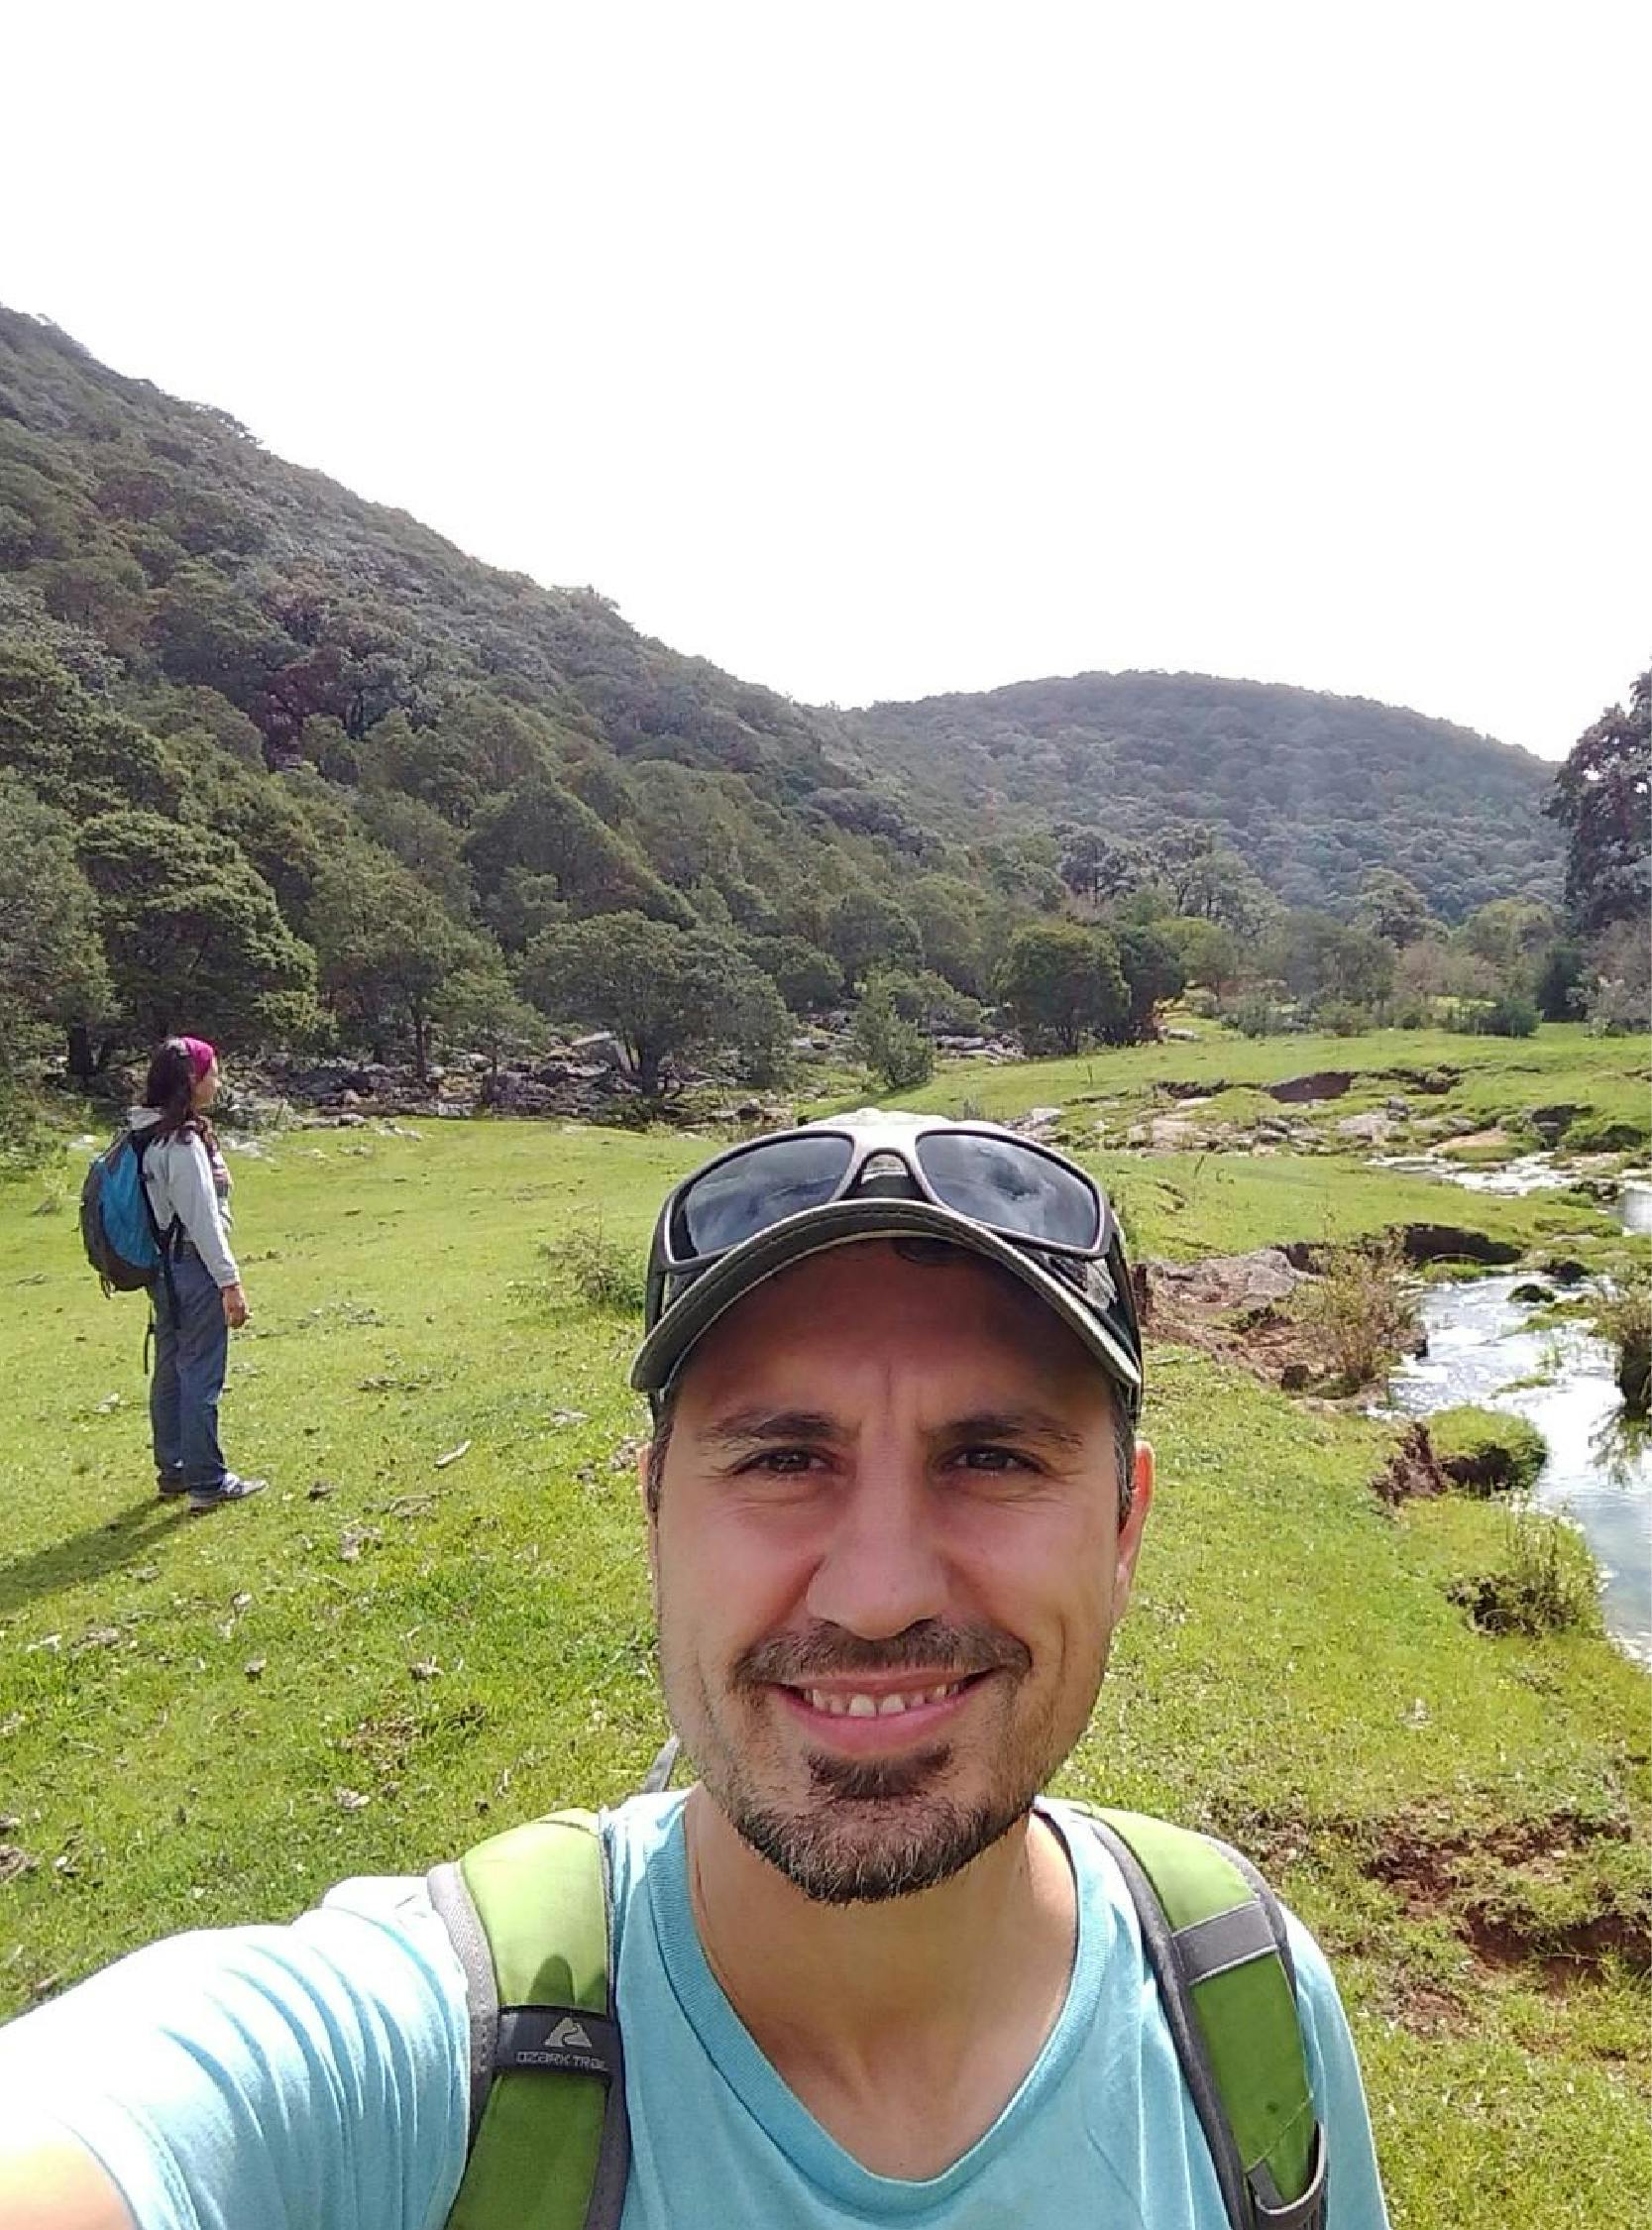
column 1324, row 1084
column 1445, row 1876
column 1413, row 1473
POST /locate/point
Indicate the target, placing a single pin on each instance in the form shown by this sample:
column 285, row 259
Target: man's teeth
column 879, row 1707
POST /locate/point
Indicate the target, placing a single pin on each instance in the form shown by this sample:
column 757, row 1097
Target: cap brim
column 839, row 1223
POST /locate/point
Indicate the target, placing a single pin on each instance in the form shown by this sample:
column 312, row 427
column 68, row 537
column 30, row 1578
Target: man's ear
column 1130, row 1533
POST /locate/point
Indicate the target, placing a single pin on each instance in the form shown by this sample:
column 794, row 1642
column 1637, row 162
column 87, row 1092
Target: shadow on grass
column 86, row 1556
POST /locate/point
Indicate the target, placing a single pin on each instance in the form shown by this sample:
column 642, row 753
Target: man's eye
column 781, row 1463
column 992, row 1460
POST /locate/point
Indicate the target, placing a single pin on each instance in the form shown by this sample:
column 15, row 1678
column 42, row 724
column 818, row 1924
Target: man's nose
column 882, row 1566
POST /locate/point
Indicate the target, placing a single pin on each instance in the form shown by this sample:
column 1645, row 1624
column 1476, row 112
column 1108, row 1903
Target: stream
column 1597, row 1474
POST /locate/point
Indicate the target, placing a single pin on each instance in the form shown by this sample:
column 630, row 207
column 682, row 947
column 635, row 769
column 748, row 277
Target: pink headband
column 201, row 1056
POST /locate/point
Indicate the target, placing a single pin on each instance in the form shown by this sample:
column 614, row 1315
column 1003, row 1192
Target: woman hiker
column 200, row 1299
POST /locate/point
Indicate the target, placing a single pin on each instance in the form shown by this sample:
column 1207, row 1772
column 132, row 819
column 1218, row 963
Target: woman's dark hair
column 169, row 1085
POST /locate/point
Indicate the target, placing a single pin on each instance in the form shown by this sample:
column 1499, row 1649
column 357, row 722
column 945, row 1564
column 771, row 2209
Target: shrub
column 1343, row 1018
column 1257, row 1016
column 896, row 1050
column 1544, row 1583
column 1487, row 1451
column 1622, row 1316
column 602, row 1273
column 1362, row 1309
column 1509, row 1015
column 27, row 1136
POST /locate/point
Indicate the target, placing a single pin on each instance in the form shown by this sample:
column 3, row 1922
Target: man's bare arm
column 51, row 2183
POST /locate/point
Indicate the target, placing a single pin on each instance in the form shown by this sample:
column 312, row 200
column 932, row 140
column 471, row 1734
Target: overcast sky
column 876, row 350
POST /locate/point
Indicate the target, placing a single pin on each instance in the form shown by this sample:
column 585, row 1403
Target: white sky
column 880, row 349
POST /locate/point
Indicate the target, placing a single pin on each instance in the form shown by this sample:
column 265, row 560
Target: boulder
column 1223, row 1282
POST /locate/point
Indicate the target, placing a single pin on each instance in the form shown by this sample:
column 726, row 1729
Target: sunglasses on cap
column 1006, row 1183
column 754, row 1209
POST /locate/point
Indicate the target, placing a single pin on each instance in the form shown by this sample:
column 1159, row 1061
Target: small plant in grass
column 1362, row 1309
column 1543, row 1584
column 1622, row 1316
column 601, row 1271
column 1487, row 1451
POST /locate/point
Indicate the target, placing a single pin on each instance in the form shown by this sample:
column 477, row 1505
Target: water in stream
column 1479, row 1347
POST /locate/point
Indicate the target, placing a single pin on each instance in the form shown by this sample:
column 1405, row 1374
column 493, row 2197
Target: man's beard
column 872, row 1829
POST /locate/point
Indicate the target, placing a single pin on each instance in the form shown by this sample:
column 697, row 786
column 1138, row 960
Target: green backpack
column 529, row 1915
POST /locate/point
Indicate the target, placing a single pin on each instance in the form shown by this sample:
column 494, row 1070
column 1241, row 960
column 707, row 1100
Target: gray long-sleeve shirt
column 187, row 1183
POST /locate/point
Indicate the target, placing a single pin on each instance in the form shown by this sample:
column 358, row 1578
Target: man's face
column 887, row 1562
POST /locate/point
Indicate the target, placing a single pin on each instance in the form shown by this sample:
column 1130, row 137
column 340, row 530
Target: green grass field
column 385, row 1657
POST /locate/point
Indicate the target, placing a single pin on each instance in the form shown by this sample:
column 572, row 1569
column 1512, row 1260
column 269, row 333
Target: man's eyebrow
column 1014, row 1424
column 747, row 1428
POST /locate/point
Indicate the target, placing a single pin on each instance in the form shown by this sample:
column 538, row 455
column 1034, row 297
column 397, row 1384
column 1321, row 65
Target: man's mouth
column 868, row 1718
column 861, row 1704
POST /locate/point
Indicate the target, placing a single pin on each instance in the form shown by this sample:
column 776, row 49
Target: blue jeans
column 191, row 1353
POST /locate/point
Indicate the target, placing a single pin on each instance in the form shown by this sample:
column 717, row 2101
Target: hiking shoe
column 230, row 1488
column 169, row 1483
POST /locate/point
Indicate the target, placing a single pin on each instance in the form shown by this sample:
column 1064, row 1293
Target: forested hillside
column 1313, row 790
column 289, row 768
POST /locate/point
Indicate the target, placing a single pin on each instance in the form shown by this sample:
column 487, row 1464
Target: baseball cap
column 753, row 1210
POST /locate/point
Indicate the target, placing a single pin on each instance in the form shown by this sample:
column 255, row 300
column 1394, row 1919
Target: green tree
column 70, row 747
column 204, row 630
column 1153, row 974
column 1099, row 868
column 1208, row 953
column 1602, row 799
column 1063, row 984
column 668, row 994
column 866, row 931
column 52, row 965
column 388, row 949
column 948, row 914
column 480, row 1008
column 808, row 978
column 1390, row 906
column 543, row 829
column 1513, row 935
column 1319, row 959
column 895, row 1048
column 193, row 937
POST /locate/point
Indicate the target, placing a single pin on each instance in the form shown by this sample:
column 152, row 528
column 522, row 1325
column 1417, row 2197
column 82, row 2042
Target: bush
column 1362, row 1309
column 1344, row 1018
column 1509, row 1015
column 27, row 1136
column 1487, row 1451
column 604, row 1273
column 1257, row 1016
column 1622, row 1316
column 895, row 1049
column 1544, row 1583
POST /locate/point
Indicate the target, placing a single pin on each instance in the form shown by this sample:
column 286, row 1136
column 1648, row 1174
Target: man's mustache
column 930, row 1645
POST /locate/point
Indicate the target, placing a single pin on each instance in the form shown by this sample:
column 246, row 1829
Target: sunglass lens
column 748, row 1193
column 1007, row 1186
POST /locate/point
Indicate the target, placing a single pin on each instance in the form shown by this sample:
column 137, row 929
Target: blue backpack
column 124, row 1243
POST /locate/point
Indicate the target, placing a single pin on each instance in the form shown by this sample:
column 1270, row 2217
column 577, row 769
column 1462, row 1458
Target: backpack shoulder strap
column 1215, row 1938
column 529, row 1916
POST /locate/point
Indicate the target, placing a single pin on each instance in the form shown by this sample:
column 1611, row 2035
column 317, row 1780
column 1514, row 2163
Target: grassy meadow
column 387, row 1655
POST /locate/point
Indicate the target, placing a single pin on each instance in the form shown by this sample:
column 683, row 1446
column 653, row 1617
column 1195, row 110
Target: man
column 866, row 1972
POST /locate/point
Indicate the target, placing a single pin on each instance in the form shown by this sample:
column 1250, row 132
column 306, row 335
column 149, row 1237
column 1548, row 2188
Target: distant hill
column 394, row 765
column 1311, row 789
